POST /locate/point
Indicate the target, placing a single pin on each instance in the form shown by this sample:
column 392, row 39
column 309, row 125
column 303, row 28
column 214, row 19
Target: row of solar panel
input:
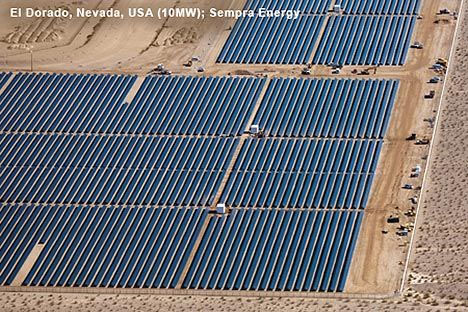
column 302, row 174
column 4, row 77
column 94, row 103
column 63, row 102
column 113, row 170
column 345, row 108
column 97, row 246
column 117, row 152
column 275, row 250
column 306, row 7
column 193, row 105
column 346, row 40
column 272, row 40
column 390, row 7
column 297, row 190
column 67, row 169
column 348, row 6
column 365, row 40
column 149, row 247
column 308, row 156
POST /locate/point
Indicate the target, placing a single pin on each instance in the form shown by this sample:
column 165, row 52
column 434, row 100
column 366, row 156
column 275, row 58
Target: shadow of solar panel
column 97, row 246
column 365, row 40
column 106, row 169
column 329, row 108
column 276, row 250
column 265, row 40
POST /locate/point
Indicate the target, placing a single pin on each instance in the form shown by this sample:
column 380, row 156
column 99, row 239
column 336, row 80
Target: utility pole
column 30, row 49
column 31, row 54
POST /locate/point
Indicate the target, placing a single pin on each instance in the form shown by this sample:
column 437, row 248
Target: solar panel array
column 272, row 40
column 102, row 191
column 365, row 32
column 327, row 108
column 64, row 102
column 365, row 40
column 104, row 169
column 276, row 250
column 4, row 77
column 192, row 105
column 285, row 173
column 98, row 246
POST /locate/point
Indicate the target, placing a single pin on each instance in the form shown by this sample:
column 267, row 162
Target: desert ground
column 437, row 275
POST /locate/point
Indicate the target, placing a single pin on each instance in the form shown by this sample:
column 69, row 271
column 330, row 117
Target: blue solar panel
column 285, row 173
column 365, row 40
column 63, row 102
column 162, row 105
column 330, row 108
column 4, row 77
column 305, row 6
column 68, row 169
column 390, row 7
column 98, row 246
column 192, row 105
column 265, row 40
column 276, row 250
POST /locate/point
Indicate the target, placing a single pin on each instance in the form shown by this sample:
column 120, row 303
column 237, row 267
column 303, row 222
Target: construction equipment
column 415, row 172
column 160, row 70
column 408, row 186
column 444, row 11
column 422, row 142
column 442, row 61
column 221, row 208
column 256, row 131
column 305, row 71
column 430, row 95
column 412, row 137
column 364, row 72
column 336, row 65
column 402, row 232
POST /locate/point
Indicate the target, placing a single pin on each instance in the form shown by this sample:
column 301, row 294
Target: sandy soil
column 129, row 45
column 13, row 302
column 440, row 261
column 380, row 255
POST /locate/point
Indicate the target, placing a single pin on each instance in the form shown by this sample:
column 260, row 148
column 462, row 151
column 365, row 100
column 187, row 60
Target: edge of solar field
column 431, row 149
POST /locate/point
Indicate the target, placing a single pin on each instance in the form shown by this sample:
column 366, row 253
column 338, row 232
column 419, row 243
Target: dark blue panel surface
column 98, row 246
